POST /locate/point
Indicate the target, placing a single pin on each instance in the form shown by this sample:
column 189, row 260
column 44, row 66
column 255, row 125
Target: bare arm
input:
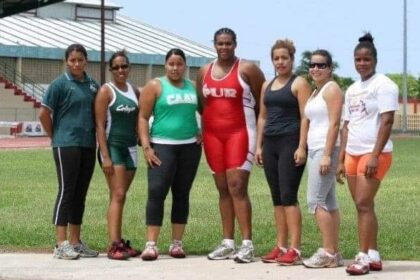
column 148, row 99
column 302, row 90
column 46, row 120
column 341, row 172
column 387, row 120
column 199, row 87
column 255, row 78
column 102, row 100
column 262, row 117
column 334, row 99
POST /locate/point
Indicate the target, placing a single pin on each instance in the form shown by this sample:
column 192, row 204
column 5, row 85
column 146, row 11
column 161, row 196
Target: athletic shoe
column 130, row 250
column 375, row 265
column 222, row 252
column 321, row 260
column 117, row 251
column 272, row 255
column 65, row 251
column 150, row 252
column 84, row 250
column 360, row 265
column 291, row 257
column 245, row 254
column 176, row 250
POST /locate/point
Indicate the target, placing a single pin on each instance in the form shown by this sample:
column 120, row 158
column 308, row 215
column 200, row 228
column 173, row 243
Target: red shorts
column 356, row 165
column 230, row 150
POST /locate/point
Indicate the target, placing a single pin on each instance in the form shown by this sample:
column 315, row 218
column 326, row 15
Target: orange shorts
column 356, row 165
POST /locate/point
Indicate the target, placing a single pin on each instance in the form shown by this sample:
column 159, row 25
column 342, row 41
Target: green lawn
column 28, row 189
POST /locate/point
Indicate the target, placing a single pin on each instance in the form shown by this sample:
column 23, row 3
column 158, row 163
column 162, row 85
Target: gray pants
column 321, row 188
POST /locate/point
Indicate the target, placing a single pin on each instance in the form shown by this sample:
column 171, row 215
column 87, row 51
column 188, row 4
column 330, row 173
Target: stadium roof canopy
column 45, row 32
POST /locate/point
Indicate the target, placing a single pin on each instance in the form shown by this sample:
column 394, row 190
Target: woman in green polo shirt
column 68, row 118
column 172, row 149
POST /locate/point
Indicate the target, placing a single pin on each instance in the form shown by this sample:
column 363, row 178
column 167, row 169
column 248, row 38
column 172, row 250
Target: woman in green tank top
column 116, row 113
column 172, row 149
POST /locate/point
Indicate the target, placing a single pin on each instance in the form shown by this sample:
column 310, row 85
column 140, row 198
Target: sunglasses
column 118, row 67
column 319, row 65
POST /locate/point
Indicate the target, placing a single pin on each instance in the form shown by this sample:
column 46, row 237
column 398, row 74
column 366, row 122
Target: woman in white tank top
column 323, row 111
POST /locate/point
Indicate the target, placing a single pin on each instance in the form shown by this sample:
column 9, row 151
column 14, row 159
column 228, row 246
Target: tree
column 413, row 85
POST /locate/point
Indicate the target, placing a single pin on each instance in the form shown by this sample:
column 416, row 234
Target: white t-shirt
column 364, row 102
column 317, row 112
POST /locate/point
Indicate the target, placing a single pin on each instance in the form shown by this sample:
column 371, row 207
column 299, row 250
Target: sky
column 334, row 25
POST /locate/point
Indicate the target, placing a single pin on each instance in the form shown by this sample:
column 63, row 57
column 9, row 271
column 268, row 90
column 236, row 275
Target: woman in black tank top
column 281, row 149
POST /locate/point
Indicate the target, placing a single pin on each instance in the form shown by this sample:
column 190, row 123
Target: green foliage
column 413, row 84
column 29, row 186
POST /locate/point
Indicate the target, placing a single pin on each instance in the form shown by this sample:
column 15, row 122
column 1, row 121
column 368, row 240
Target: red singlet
column 229, row 122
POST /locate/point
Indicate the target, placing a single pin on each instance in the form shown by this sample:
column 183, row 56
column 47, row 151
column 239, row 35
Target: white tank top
column 317, row 112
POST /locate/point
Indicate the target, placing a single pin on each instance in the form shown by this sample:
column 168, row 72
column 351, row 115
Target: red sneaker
column 117, row 252
column 130, row 250
column 291, row 257
column 271, row 257
column 375, row 265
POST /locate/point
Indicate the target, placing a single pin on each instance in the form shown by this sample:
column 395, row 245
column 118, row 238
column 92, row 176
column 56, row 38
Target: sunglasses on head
column 118, row 67
column 318, row 65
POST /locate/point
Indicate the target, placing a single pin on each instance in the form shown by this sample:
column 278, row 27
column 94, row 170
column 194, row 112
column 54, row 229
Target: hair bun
column 367, row 37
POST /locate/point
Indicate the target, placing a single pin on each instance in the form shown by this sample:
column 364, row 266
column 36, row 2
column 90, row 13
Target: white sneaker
column 65, row 251
column 245, row 253
column 222, row 252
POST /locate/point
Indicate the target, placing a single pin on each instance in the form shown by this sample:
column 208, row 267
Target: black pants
column 283, row 176
column 177, row 172
column 75, row 167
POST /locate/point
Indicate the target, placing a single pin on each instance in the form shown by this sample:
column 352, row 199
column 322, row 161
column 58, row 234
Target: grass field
column 28, row 187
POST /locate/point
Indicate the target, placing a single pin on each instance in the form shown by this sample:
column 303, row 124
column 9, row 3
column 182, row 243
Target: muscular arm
column 46, row 120
column 387, row 120
column 255, row 78
column 199, row 87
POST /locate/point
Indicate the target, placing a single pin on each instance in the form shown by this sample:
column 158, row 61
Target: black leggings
column 177, row 172
column 282, row 175
column 75, row 167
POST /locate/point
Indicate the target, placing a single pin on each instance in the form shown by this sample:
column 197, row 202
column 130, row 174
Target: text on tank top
column 225, row 99
column 122, row 117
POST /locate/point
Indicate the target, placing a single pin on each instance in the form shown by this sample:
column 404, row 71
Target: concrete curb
column 45, row 267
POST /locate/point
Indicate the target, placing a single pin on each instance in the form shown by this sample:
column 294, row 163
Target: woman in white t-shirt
column 323, row 111
column 366, row 150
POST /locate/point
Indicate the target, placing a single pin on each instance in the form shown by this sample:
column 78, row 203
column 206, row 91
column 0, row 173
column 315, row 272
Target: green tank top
column 122, row 116
column 174, row 114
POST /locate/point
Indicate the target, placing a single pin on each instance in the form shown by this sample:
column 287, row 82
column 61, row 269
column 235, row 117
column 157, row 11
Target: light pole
column 404, row 80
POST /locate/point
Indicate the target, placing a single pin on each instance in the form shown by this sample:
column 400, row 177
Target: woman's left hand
column 371, row 166
column 300, row 156
column 324, row 165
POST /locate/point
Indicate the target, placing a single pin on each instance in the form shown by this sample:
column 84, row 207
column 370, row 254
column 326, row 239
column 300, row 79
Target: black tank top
column 283, row 116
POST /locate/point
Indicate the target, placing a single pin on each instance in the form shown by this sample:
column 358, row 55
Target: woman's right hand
column 150, row 157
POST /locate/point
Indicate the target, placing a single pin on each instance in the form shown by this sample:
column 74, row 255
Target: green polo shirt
column 71, row 103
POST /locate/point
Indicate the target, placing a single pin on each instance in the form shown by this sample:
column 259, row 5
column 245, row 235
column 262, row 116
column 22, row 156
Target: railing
column 26, row 84
column 413, row 123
